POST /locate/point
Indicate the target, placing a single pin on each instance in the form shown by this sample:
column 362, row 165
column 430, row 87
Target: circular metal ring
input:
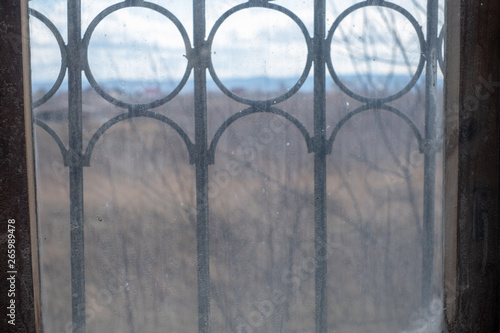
column 62, row 48
column 86, row 40
column 280, row 9
column 421, row 39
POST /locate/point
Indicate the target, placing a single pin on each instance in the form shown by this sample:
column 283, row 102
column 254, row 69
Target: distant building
column 152, row 92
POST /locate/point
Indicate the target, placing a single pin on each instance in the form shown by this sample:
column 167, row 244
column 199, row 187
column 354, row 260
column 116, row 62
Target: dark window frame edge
column 17, row 183
column 472, row 163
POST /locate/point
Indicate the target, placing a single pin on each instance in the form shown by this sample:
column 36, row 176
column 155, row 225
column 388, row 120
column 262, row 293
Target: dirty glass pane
column 231, row 166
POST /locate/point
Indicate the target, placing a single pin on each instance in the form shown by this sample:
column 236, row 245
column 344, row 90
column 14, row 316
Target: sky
column 141, row 44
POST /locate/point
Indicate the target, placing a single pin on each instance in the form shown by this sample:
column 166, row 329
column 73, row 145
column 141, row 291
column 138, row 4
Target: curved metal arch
column 54, row 136
column 368, row 107
column 254, row 110
column 130, row 115
column 64, row 61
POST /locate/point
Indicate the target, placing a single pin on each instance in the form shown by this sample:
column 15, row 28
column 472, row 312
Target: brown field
column 140, row 221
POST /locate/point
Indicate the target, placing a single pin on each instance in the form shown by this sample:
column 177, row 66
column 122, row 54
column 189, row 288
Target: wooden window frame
column 472, row 163
column 471, row 238
column 17, row 185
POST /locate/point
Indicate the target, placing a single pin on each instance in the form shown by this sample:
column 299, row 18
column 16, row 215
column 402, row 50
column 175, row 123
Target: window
column 253, row 269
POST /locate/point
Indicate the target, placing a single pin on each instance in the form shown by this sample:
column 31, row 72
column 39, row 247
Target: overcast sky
column 141, row 44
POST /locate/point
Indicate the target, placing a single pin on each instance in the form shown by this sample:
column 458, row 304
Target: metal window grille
column 202, row 148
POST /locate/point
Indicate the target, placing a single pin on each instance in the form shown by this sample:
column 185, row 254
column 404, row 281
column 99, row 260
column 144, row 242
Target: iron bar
column 201, row 161
column 75, row 166
column 320, row 167
column 429, row 152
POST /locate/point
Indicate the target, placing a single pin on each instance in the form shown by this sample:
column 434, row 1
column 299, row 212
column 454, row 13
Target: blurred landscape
column 139, row 190
column 140, row 218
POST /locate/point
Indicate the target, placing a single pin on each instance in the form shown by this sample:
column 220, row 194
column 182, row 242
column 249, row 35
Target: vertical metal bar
column 429, row 152
column 320, row 167
column 201, row 166
column 75, row 166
